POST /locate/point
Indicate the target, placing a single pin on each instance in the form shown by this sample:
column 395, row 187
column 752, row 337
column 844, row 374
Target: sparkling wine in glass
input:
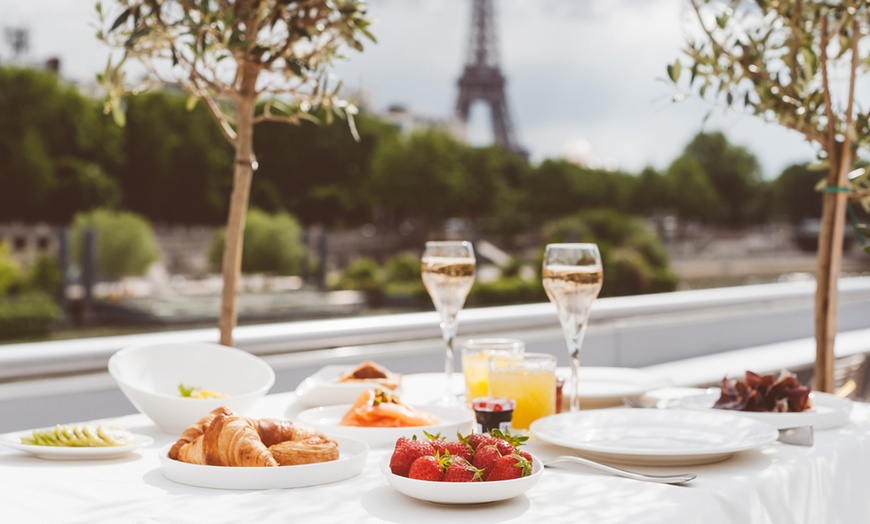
column 448, row 273
column 572, row 275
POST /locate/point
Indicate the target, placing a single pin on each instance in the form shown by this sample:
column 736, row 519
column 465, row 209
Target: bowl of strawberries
column 474, row 469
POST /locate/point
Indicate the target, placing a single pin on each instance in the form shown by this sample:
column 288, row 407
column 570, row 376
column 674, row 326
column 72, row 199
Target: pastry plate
column 827, row 411
column 351, row 460
column 326, row 419
column 607, row 386
column 654, row 437
column 13, row 440
column 321, row 388
column 462, row 492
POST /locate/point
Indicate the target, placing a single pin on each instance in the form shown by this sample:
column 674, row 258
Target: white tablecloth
column 827, row 483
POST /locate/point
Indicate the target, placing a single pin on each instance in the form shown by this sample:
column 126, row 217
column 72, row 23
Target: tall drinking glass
column 572, row 275
column 448, row 273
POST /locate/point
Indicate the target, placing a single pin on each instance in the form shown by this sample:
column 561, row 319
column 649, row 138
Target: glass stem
column 448, row 330
column 575, row 340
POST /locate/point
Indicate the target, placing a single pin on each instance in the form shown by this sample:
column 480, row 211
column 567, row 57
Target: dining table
column 828, row 482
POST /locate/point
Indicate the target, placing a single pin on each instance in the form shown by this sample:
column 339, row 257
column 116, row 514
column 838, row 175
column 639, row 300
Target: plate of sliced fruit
column 76, row 442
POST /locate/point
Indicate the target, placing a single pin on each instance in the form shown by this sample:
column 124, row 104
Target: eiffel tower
column 482, row 78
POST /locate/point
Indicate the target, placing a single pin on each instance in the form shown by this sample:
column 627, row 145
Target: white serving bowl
column 462, row 492
column 149, row 375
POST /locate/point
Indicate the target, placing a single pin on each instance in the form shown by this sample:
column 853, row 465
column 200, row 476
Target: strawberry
column 428, row 467
column 473, row 440
column 526, row 455
column 509, row 467
column 406, row 452
column 459, row 449
column 437, row 441
column 460, row 470
column 514, row 440
column 504, row 447
column 485, row 457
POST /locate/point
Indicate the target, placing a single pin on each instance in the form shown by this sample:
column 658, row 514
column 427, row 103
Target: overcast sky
column 584, row 76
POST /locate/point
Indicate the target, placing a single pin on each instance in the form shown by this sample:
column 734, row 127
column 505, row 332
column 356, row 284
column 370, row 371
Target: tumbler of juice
column 476, row 354
column 529, row 379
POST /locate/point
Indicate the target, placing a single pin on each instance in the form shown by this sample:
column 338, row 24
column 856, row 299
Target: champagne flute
column 448, row 274
column 572, row 276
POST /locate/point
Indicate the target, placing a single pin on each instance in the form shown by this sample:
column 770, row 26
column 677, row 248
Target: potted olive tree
column 795, row 63
column 248, row 61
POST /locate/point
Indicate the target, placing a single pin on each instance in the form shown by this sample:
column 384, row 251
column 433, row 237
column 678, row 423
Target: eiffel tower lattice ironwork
column 482, row 78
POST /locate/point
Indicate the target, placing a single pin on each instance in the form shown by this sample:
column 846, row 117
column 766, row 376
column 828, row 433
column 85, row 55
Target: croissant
column 229, row 440
column 192, row 432
column 222, row 438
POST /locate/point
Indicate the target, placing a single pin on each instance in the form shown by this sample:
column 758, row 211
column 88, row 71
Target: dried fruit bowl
column 462, row 492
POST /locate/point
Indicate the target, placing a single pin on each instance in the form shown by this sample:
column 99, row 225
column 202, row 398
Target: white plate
column 828, row 411
column 654, row 436
column 13, row 440
column 462, row 492
column 325, row 419
column 321, row 389
column 352, row 458
column 607, row 386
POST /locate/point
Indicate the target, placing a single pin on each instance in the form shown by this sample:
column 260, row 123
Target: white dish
column 352, row 459
column 462, row 492
column 321, row 388
column 658, row 437
column 607, row 386
column 149, row 376
column 13, row 440
column 326, row 419
column 828, row 411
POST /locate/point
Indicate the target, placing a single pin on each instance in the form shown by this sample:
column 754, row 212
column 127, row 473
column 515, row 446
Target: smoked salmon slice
column 377, row 408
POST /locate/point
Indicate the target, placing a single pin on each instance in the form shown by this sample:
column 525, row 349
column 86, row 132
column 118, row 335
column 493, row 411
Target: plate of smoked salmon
column 379, row 418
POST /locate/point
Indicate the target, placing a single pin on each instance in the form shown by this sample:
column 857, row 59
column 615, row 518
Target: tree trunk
column 830, row 259
column 243, row 174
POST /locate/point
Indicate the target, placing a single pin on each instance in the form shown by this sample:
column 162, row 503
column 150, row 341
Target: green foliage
column 421, row 175
column 320, row 173
column 273, row 244
column 27, row 315
column 363, row 274
column 58, row 150
column 630, row 250
column 734, row 174
column 403, row 267
column 505, row 291
column 795, row 193
column 690, row 193
column 10, row 270
column 125, row 242
column 291, row 43
column 776, row 59
column 649, row 194
column 45, row 275
column 177, row 166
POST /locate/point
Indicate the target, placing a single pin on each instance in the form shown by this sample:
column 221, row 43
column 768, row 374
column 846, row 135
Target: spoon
column 664, row 479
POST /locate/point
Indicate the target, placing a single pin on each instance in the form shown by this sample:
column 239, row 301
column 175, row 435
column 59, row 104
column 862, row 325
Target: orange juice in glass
column 476, row 354
column 529, row 379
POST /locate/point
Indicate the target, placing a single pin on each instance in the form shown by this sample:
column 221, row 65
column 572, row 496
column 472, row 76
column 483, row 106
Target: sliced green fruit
column 80, row 435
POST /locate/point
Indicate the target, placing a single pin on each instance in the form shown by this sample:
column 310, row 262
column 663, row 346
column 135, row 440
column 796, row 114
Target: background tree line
column 60, row 155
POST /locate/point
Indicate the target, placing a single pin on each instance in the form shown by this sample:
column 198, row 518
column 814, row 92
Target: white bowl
column 462, row 492
column 149, row 375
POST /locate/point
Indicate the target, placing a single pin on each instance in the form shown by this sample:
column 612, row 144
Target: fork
column 663, row 479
